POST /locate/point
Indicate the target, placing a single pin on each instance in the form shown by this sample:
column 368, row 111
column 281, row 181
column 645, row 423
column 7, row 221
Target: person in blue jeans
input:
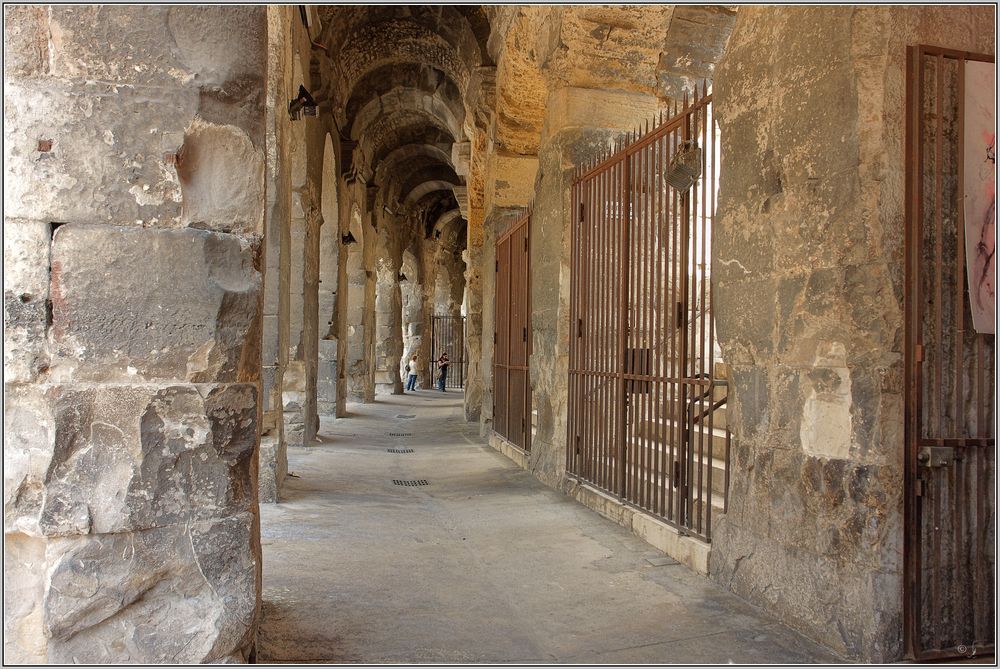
column 443, row 366
column 411, row 371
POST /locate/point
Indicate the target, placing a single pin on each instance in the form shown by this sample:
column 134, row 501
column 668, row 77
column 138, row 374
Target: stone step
column 647, row 448
column 718, row 501
column 659, row 429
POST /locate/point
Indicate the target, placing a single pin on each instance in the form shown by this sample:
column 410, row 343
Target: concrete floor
column 484, row 564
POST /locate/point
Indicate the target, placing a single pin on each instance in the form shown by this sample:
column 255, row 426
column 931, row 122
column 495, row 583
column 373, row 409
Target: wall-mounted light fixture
column 685, row 167
column 401, row 278
column 303, row 104
column 348, row 238
column 437, row 234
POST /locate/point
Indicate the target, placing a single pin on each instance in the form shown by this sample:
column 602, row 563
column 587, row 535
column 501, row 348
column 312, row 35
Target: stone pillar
column 326, row 375
column 425, row 367
column 808, row 287
column 510, row 187
column 579, row 124
column 474, row 315
column 368, row 319
column 132, row 332
column 293, row 390
column 272, row 457
column 361, row 310
column 389, row 332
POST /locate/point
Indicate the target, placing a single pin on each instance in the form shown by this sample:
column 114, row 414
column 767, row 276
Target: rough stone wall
column 134, row 200
column 808, row 287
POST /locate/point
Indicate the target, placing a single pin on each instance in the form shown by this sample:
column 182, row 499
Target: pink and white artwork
column 980, row 188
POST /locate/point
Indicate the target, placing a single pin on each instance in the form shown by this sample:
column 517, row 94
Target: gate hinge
column 494, row 338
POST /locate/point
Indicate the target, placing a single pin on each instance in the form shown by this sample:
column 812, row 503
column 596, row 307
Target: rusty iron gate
column 512, row 338
column 950, row 426
column 448, row 336
column 646, row 388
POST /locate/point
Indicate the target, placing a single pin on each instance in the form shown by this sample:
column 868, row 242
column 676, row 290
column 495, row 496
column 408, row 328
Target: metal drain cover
column 409, row 483
column 399, row 450
column 406, row 415
column 399, row 434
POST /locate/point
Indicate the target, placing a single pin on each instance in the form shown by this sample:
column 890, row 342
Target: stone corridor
column 678, row 258
column 484, row 564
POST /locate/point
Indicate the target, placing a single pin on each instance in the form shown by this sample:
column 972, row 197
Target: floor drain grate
column 399, row 450
column 409, row 483
column 406, row 415
column 399, row 434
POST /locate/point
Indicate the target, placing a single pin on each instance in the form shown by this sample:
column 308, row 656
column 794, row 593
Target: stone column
column 808, row 288
column 326, row 375
column 273, row 459
column 293, row 388
column 510, row 187
column 474, row 315
column 361, row 310
column 132, row 332
column 389, row 332
column 579, row 124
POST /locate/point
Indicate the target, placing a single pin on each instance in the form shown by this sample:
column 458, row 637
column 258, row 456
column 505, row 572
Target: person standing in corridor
column 411, row 371
column 442, row 363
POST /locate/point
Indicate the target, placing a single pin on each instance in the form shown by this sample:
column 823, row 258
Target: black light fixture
column 348, row 238
column 437, row 234
column 401, row 277
column 685, row 166
column 303, row 104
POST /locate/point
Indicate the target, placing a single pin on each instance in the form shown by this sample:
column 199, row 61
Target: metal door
column 950, row 428
column 448, row 335
column 512, row 338
column 645, row 394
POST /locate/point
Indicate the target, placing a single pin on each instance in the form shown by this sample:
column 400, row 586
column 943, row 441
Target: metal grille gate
column 950, row 426
column 512, row 338
column 448, row 335
column 645, row 418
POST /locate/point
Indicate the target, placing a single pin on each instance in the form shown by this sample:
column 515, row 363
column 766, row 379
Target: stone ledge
column 689, row 551
column 692, row 553
column 506, row 448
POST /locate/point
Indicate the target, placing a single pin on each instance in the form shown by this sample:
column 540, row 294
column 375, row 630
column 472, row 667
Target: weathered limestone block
column 273, row 468
column 86, row 459
column 326, row 378
column 23, row 586
column 117, row 498
column 132, row 304
column 106, row 159
column 181, row 593
column 26, row 291
column 161, row 46
column 222, row 179
column 26, row 46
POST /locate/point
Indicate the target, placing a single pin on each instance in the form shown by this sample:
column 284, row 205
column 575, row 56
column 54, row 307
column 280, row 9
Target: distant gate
column 512, row 339
column 950, row 426
column 448, row 335
column 645, row 391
